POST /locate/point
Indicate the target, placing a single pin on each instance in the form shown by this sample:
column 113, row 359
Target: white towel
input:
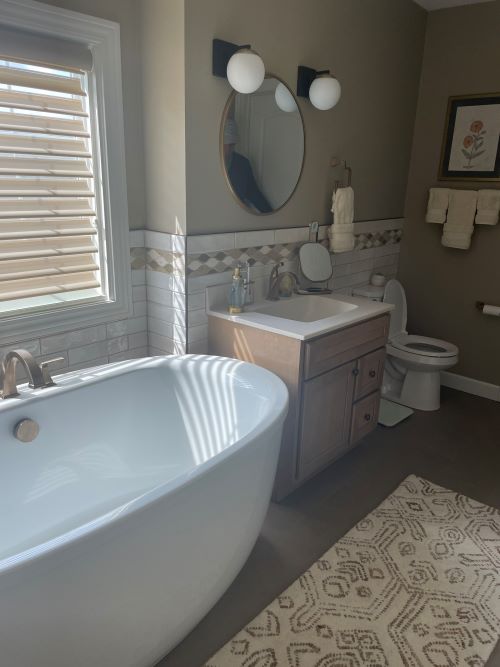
column 488, row 207
column 457, row 231
column 342, row 230
column 437, row 205
column 341, row 238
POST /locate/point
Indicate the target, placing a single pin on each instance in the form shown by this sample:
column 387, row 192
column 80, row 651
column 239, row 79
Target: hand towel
column 488, row 207
column 342, row 230
column 457, row 231
column 437, row 205
column 341, row 238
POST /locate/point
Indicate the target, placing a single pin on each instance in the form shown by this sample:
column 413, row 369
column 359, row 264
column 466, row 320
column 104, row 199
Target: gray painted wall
column 164, row 103
column 373, row 46
column 173, row 104
column 462, row 53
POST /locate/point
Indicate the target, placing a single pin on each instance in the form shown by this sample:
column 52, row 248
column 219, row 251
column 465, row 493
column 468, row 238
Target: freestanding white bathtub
column 129, row 515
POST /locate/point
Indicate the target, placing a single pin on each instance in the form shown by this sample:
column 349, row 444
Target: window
column 63, row 217
column 49, row 228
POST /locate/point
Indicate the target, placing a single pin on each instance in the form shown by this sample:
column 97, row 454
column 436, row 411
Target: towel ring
column 338, row 184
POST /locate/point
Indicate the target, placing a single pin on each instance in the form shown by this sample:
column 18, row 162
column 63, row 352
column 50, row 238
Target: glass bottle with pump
column 237, row 293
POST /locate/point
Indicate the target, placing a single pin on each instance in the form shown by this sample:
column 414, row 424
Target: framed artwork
column 471, row 142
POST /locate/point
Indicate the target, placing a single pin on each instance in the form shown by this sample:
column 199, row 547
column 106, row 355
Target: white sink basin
column 306, row 308
column 301, row 317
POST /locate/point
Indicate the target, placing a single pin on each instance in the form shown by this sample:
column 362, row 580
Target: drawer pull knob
column 372, row 373
column 355, row 371
column 368, row 417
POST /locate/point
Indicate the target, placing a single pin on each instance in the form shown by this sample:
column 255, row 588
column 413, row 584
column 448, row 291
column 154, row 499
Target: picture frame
column 471, row 141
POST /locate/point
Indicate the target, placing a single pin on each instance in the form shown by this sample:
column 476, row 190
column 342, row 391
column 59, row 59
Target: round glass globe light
column 246, row 71
column 284, row 98
column 324, row 92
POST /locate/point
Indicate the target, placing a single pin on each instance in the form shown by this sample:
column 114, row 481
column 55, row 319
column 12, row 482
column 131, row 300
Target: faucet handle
column 44, row 366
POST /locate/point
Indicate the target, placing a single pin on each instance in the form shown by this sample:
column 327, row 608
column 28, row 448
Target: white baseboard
column 471, row 386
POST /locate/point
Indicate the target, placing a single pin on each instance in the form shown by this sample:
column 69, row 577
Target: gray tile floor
column 457, row 447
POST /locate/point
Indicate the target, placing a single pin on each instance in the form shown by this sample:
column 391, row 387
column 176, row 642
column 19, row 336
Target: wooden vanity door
column 326, row 419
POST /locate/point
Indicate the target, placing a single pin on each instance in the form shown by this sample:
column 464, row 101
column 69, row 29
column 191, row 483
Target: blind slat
column 45, row 227
column 12, row 76
column 46, row 266
column 44, row 207
column 20, row 99
column 19, row 143
column 46, row 247
column 22, row 289
column 25, row 166
column 44, row 187
column 43, row 124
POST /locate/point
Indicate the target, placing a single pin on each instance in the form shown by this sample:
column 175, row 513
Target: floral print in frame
column 471, row 144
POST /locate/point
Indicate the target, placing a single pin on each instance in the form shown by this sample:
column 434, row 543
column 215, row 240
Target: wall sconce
column 319, row 86
column 243, row 67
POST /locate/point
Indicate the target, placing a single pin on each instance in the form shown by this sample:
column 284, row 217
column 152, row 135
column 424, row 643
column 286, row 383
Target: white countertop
column 362, row 309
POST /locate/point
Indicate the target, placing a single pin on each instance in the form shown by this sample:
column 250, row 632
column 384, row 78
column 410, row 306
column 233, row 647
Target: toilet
column 412, row 374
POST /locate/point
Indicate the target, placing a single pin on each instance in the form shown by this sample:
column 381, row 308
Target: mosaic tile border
column 207, row 263
column 377, row 239
column 137, row 258
column 165, row 261
column 224, row 260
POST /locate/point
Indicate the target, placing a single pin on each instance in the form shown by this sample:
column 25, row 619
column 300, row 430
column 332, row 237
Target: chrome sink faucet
column 39, row 375
column 273, row 290
column 273, row 293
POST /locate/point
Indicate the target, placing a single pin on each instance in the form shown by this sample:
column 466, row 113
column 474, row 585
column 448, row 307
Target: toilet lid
column 395, row 294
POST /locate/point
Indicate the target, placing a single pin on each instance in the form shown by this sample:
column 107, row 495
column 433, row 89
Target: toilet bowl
column 412, row 373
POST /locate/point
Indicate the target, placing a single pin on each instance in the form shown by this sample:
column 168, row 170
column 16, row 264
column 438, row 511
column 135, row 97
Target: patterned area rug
column 415, row 583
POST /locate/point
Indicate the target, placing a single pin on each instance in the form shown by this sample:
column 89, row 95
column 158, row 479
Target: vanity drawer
column 369, row 373
column 364, row 416
column 342, row 346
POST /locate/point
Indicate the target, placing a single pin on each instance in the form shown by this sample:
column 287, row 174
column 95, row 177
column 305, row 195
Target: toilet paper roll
column 491, row 310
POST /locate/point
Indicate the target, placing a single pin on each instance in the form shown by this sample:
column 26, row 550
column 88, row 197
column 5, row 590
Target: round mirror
column 262, row 146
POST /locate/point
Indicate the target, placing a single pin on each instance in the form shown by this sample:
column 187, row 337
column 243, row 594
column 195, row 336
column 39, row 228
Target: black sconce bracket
column 221, row 54
column 305, row 77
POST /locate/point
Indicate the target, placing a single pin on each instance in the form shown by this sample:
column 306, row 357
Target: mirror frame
column 227, row 107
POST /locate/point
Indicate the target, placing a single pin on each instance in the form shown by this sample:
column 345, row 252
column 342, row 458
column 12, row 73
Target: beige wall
column 462, row 56
column 164, row 114
column 126, row 13
column 373, row 46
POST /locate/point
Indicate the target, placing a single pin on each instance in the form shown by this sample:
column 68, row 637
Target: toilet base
column 420, row 390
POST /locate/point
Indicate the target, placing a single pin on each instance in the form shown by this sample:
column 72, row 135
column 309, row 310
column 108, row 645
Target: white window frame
column 103, row 38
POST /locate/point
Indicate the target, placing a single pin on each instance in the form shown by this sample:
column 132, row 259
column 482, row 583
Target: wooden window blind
column 49, row 232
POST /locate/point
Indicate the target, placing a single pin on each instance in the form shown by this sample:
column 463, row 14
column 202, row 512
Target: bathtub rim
column 118, row 514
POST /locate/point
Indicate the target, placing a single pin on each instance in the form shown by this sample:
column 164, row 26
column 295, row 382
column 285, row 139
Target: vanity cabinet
column 333, row 382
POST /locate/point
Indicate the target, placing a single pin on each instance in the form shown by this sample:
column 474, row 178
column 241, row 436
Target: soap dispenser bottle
column 237, row 293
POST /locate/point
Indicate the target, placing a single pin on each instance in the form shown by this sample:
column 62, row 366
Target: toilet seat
column 420, row 346
column 424, row 346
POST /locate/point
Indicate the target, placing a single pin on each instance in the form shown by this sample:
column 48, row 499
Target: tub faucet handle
column 44, row 366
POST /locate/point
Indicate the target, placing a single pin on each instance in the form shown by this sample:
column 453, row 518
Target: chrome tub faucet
column 39, row 375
